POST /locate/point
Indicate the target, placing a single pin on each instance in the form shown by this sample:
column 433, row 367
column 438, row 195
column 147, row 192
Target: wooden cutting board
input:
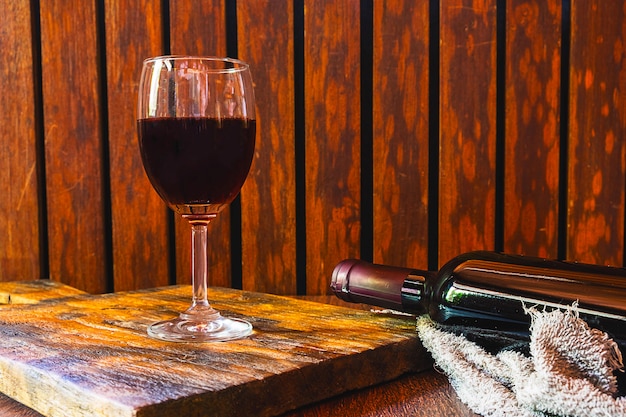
column 86, row 355
column 32, row 292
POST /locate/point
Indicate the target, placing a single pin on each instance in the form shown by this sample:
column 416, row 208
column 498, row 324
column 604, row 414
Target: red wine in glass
column 197, row 161
column 196, row 125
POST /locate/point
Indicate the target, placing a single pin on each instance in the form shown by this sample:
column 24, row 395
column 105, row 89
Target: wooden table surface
column 427, row 393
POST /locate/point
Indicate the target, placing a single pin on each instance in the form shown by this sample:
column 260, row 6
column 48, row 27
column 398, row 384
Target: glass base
column 209, row 326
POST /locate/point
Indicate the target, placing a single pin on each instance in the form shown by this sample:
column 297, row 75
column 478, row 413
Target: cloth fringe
column 569, row 372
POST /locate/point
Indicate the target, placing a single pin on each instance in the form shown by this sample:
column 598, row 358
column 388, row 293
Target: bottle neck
column 414, row 294
column 396, row 288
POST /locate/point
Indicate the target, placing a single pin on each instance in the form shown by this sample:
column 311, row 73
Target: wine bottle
column 491, row 290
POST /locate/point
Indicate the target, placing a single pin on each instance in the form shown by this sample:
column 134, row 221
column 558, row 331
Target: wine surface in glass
column 197, row 161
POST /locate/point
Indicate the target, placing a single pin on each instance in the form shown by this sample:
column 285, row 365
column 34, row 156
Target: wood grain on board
column 90, row 356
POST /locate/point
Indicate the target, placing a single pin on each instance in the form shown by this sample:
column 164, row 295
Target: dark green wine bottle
column 491, row 290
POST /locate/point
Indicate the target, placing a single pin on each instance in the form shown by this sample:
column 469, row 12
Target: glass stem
column 199, row 260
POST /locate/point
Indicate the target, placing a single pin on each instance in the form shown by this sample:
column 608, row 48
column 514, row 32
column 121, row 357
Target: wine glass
column 196, row 125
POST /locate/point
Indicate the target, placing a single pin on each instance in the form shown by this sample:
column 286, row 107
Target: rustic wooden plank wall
column 400, row 131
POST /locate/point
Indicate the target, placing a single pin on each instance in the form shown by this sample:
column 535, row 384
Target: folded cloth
column 566, row 368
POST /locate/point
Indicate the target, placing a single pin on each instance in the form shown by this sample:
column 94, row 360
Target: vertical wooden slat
column 73, row 144
column 332, row 117
column 597, row 132
column 401, row 132
column 19, row 223
column 533, row 77
column 199, row 28
column 468, row 129
column 268, row 196
column 140, row 247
